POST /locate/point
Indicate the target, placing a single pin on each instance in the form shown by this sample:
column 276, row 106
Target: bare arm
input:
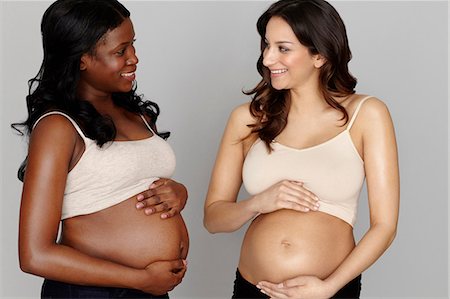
column 52, row 144
column 222, row 211
column 383, row 186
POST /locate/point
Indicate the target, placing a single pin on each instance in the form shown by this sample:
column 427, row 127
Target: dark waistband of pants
column 244, row 289
column 56, row 289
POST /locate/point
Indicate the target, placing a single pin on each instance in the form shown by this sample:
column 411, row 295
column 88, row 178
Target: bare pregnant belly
column 284, row 244
column 127, row 236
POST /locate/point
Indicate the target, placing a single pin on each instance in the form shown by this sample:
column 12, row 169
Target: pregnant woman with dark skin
column 100, row 216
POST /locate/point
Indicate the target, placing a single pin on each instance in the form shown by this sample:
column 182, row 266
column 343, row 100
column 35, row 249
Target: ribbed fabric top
column 333, row 170
column 113, row 173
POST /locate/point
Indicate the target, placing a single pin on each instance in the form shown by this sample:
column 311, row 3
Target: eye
column 121, row 52
column 283, row 49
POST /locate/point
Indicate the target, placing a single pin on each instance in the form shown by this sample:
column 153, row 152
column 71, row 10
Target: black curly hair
column 71, row 28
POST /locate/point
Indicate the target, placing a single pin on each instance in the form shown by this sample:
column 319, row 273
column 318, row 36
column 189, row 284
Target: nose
column 132, row 58
column 269, row 57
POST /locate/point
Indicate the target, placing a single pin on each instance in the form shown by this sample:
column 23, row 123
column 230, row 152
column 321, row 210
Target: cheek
column 111, row 64
column 302, row 64
column 115, row 65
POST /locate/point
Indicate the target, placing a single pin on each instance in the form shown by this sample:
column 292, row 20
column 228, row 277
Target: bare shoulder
column 373, row 115
column 238, row 130
column 241, row 114
column 240, row 118
column 54, row 123
column 352, row 102
column 368, row 105
column 373, row 109
column 54, row 129
column 51, row 148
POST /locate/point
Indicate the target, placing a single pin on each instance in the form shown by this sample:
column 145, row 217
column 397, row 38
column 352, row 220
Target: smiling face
column 111, row 68
column 290, row 63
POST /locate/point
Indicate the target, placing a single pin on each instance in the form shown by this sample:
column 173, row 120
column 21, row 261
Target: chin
column 279, row 88
column 125, row 89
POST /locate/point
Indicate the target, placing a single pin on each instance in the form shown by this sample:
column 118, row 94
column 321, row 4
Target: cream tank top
column 333, row 170
column 113, row 173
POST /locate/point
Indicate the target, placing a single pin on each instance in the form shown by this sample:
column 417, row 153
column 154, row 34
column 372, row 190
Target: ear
column 319, row 61
column 85, row 61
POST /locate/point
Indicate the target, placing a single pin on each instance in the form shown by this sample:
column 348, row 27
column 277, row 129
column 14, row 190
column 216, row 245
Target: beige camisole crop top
column 113, row 173
column 333, row 170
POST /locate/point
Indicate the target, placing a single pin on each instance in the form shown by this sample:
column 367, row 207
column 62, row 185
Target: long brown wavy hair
column 318, row 26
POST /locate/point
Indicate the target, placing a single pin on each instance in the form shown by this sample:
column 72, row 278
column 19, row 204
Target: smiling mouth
column 276, row 72
column 127, row 74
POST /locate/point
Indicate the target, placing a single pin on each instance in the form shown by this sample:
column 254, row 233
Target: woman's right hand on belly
column 164, row 195
column 160, row 277
column 286, row 195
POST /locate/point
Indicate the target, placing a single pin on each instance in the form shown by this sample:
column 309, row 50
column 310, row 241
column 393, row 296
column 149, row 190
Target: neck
column 306, row 101
column 102, row 101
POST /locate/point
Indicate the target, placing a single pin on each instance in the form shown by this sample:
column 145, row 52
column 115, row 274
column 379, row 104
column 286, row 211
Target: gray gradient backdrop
column 195, row 58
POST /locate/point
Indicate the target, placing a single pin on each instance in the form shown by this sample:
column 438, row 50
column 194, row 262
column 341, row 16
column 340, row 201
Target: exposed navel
column 286, row 243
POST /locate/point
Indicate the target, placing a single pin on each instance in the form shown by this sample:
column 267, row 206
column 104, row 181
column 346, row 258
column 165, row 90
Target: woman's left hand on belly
column 299, row 287
column 161, row 277
column 164, row 195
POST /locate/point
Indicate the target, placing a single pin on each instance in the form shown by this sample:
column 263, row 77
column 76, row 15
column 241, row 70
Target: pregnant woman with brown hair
column 302, row 148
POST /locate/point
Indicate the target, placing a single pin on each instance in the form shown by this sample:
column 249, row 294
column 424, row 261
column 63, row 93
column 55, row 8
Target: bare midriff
column 285, row 244
column 127, row 236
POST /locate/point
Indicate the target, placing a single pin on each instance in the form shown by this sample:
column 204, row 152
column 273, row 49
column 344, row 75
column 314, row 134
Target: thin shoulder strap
column 147, row 124
column 66, row 116
column 355, row 114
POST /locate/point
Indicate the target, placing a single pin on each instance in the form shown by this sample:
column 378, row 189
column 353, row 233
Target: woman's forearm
column 225, row 216
column 374, row 243
column 63, row 263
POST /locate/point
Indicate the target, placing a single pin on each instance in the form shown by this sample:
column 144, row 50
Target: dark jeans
column 56, row 289
column 244, row 289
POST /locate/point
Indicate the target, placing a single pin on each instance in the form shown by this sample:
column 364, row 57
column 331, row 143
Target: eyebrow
column 280, row 42
column 125, row 43
column 128, row 42
column 284, row 42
